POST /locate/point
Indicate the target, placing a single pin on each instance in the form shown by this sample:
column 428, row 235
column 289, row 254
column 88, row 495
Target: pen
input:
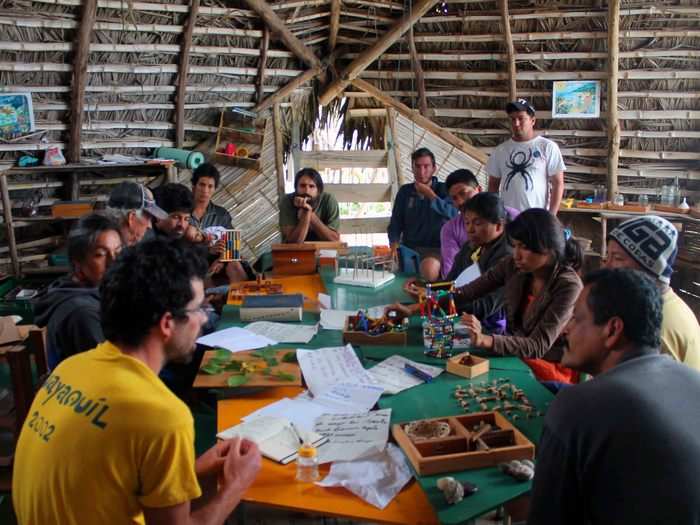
column 415, row 372
column 296, row 433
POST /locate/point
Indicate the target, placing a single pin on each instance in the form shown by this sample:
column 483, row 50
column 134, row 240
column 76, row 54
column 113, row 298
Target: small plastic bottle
column 643, row 199
column 684, row 205
column 307, row 464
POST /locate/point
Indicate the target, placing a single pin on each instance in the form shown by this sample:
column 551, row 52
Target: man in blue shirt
column 420, row 210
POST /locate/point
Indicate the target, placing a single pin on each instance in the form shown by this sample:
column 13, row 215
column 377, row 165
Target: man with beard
column 105, row 441
column 622, row 448
column 177, row 201
column 309, row 214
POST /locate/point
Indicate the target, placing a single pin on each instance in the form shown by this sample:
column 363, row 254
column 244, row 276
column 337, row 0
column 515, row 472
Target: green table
column 429, row 400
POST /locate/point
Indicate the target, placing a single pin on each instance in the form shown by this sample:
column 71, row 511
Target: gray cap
column 520, row 105
column 134, row 196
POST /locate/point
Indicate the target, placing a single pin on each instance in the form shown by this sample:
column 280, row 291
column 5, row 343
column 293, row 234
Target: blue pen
column 415, row 372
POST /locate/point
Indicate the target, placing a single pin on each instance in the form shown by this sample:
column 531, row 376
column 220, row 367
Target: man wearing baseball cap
column 527, row 170
column 649, row 244
column 131, row 205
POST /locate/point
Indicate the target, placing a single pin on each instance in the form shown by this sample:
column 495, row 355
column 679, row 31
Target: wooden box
column 457, row 451
column 293, row 259
column 72, row 209
column 363, row 338
column 478, row 366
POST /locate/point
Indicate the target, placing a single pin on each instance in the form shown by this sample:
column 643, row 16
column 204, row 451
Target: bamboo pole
column 391, row 120
column 523, row 92
column 277, row 26
column 288, row 89
column 419, row 8
column 182, row 74
column 80, row 64
column 262, row 65
column 510, row 51
column 612, row 117
column 559, row 35
column 542, row 115
column 9, row 227
column 420, row 120
column 418, row 70
column 462, row 57
column 279, row 149
column 335, row 22
column 584, row 133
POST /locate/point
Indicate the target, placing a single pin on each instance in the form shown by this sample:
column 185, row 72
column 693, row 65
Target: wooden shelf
column 241, row 137
column 239, row 162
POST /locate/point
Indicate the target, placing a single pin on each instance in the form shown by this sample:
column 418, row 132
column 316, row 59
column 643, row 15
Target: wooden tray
column 363, row 338
column 480, row 366
column 630, row 207
column 670, row 209
column 457, row 452
column 591, row 205
column 204, row 380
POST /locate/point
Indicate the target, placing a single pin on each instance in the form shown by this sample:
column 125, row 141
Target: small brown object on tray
column 467, row 365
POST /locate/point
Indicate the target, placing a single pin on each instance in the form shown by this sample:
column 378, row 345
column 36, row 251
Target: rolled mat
column 185, row 158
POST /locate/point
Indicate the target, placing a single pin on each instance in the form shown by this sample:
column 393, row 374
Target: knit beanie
column 651, row 241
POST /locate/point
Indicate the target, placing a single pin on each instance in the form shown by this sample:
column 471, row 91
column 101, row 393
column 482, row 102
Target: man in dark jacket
column 70, row 307
column 420, row 210
column 623, row 448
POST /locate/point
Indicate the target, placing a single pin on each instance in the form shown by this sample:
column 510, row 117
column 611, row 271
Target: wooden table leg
column 22, row 386
column 603, row 235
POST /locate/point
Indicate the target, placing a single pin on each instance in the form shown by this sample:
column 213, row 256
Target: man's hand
column 411, row 288
column 212, row 461
column 425, row 190
column 241, row 466
column 473, row 326
column 302, row 203
column 400, row 310
column 215, row 267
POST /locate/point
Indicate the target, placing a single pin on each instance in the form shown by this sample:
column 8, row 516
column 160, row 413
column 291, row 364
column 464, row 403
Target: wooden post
column 335, row 25
column 277, row 26
column 288, row 89
column 613, row 121
column 391, row 120
column 510, row 51
column 80, row 63
column 183, row 69
column 262, row 64
column 422, row 121
column 364, row 59
column 420, row 78
column 279, row 149
column 7, row 214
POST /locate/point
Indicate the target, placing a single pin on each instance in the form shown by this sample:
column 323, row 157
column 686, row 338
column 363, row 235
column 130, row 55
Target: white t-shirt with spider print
column 525, row 169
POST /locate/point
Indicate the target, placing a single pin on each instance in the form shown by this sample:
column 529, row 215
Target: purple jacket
column 453, row 235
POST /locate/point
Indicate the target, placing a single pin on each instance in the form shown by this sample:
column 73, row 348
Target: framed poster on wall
column 16, row 114
column 576, row 99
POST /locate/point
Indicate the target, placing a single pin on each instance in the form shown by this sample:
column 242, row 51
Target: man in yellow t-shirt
column 649, row 244
column 105, row 441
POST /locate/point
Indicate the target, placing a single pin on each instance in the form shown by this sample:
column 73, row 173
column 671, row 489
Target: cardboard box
column 457, row 451
column 480, row 365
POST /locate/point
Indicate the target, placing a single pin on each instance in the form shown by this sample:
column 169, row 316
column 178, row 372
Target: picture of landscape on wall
column 576, row 99
column 16, row 114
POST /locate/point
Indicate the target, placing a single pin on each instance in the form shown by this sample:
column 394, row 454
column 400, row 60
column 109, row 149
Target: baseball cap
column 520, row 105
column 134, row 196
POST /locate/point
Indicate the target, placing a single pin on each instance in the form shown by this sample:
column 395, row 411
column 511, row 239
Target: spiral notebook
column 274, row 436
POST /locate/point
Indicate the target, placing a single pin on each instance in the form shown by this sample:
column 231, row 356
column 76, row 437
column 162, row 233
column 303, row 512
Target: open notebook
column 274, row 436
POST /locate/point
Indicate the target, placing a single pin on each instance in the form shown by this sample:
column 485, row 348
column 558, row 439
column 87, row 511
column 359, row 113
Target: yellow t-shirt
column 103, row 439
column 680, row 332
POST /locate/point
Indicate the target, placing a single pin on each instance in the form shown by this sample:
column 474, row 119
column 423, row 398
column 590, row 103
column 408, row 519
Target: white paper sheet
column 335, row 319
column 235, row 339
column 392, row 376
column 284, row 332
column 376, row 479
column 470, row 274
column 325, row 367
column 324, row 300
column 353, row 436
column 350, row 398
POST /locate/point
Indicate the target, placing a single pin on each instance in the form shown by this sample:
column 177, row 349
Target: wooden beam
column 373, row 225
column 359, row 192
column 183, row 70
column 421, row 121
column 80, row 63
column 277, row 26
column 420, row 78
column 343, row 159
column 279, row 149
column 612, row 117
column 261, row 65
column 288, row 88
column 391, row 120
column 351, row 72
column 510, row 51
column 7, row 212
column 335, row 25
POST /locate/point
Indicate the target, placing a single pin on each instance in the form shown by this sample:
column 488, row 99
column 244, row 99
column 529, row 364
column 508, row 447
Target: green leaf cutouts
column 237, row 380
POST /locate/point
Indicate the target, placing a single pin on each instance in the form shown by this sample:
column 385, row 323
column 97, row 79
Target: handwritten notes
column 350, row 397
column 284, row 332
column 325, row 367
column 352, row 436
column 391, row 374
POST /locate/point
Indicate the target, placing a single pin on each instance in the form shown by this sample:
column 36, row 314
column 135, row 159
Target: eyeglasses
column 205, row 310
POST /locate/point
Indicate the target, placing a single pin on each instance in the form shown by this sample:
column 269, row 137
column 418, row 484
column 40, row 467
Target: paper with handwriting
column 391, row 374
column 353, row 436
column 326, row 367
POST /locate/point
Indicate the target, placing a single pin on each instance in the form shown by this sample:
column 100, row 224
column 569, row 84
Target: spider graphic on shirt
column 519, row 163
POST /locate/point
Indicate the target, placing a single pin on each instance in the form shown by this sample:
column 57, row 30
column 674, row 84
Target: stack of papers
column 326, row 367
column 352, row 436
column 284, row 332
column 391, row 374
column 235, row 339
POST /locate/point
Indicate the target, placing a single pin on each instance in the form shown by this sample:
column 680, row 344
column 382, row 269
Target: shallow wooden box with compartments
column 358, row 337
column 467, row 365
column 471, row 441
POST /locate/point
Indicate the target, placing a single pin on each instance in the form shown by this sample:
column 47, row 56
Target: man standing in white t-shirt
column 527, row 169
